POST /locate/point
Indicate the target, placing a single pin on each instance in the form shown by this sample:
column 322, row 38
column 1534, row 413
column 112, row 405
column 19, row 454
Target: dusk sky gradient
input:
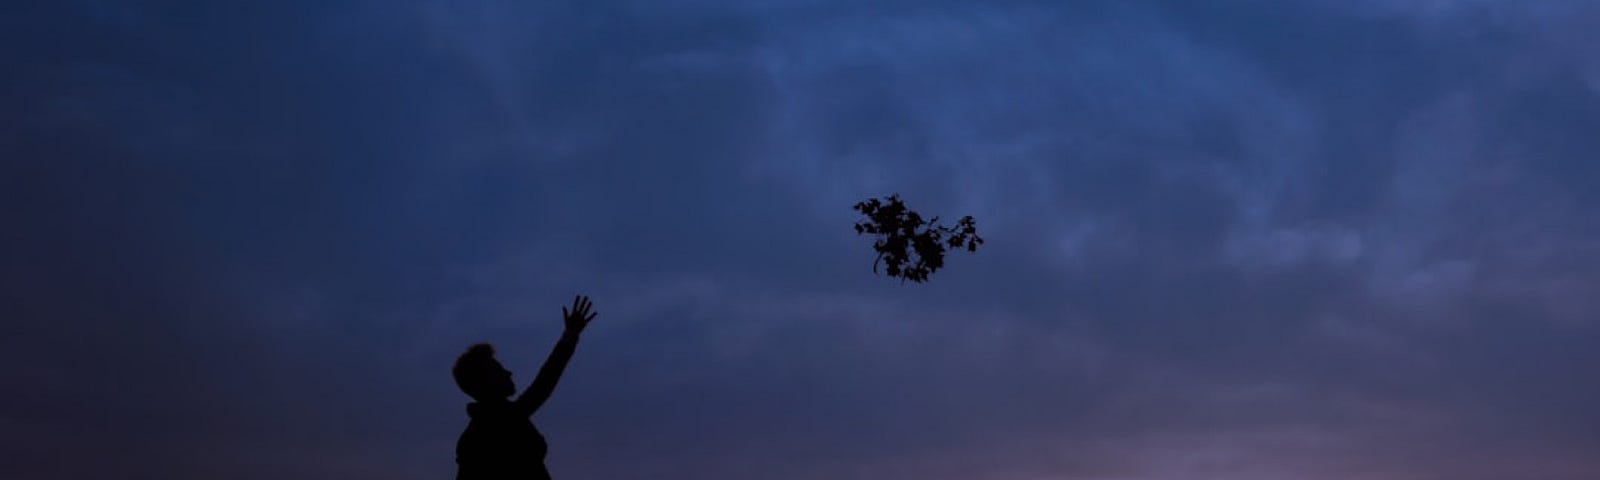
column 1226, row 239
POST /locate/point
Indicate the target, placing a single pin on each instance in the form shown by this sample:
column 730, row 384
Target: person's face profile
column 503, row 380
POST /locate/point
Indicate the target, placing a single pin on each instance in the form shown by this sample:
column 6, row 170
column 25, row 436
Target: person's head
column 480, row 376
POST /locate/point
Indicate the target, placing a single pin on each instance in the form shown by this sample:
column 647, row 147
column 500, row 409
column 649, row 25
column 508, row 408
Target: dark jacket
column 500, row 441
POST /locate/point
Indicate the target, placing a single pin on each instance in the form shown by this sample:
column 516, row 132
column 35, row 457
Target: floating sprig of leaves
column 908, row 246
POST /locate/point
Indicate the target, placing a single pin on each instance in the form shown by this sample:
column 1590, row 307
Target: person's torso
column 501, row 444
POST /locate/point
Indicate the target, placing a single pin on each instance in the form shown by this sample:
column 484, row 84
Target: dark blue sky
column 1227, row 239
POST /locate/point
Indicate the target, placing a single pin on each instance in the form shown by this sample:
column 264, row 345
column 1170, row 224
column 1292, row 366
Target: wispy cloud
column 1227, row 239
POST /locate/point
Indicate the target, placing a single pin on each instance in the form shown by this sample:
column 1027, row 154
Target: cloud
column 1298, row 240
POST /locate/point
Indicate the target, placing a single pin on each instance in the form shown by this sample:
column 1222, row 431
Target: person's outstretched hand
column 579, row 316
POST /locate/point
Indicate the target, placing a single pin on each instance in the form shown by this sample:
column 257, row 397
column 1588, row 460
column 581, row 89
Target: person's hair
column 473, row 370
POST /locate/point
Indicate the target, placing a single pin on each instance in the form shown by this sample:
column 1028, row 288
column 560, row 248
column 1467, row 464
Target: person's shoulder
column 495, row 411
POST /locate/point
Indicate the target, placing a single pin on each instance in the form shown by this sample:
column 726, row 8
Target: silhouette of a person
column 500, row 441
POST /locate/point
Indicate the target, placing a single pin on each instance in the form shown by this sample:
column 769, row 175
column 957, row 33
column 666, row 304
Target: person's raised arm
column 576, row 319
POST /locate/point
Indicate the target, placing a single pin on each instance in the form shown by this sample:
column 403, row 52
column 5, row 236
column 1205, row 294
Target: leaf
column 908, row 246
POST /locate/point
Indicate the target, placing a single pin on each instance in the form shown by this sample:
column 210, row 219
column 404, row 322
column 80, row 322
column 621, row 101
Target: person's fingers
column 580, row 309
